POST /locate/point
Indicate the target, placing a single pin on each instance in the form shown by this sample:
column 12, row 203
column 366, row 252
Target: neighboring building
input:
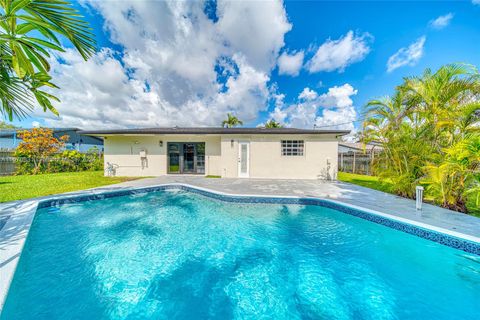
column 228, row 152
column 358, row 147
column 9, row 139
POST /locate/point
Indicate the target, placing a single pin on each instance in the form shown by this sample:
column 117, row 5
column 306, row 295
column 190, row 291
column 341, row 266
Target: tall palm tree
column 29, row 32
column 271, row 124
column 231, row 121
column 423, row 129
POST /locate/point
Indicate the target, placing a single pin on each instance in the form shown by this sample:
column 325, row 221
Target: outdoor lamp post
column 419, row 197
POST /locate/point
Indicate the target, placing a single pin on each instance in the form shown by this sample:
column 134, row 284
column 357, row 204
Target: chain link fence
column 7, row 163
column 356, row 162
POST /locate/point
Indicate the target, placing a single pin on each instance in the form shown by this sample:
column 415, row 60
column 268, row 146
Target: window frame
column 292, row 148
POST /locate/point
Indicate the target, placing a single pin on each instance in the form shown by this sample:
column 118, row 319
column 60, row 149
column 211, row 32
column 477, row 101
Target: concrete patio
column 344, row 192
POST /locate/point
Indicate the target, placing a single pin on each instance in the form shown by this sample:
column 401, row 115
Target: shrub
column 37, row 146
column 40, row 153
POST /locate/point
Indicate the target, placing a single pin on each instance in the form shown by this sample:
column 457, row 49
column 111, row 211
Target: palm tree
column 271, row 124
column 29, row 32
column 443, row 98
column 425, row 129
column 231, row 121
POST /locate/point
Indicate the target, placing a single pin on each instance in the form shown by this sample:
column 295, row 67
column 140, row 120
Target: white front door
column 243, row 159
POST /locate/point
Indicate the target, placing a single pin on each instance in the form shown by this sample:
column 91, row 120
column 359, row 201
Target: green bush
column 66, row 161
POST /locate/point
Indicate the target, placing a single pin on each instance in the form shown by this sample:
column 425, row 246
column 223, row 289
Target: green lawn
column 374, row 183
column 24, row 187
column 365, row 181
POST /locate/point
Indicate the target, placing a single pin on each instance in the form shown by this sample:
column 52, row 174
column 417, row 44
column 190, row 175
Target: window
column 292, row 147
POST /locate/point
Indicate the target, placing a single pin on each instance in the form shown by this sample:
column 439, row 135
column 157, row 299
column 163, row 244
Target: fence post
column 353, row 166
column 341, row 161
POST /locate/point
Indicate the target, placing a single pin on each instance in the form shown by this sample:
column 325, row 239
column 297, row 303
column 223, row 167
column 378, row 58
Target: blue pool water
column 178, row 255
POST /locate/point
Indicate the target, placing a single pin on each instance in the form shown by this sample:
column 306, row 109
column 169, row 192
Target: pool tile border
column 403, row 225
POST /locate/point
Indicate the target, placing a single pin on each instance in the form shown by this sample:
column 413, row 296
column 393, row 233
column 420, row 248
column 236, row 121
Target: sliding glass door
column 185, row 157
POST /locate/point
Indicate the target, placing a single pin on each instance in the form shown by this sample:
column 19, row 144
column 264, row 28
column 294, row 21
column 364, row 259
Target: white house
column 227, row 152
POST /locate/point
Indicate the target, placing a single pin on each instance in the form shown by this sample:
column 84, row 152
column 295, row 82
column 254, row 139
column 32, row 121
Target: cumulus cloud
column 442, row 21
column 290, row 64
column 338, row 54
column 177, row 65
column 308, row 94
column 331, row 110
column 407, row 56
column 476, row 2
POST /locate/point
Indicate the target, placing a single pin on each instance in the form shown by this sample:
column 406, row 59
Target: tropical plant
column 231, row 121
column 457, row 176
column 74, row 161
column 5, row 125
column 29, row 31
column 38, row 144
column 271, row 124
column 425, row 130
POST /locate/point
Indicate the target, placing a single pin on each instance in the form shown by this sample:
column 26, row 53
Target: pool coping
column 22, row 219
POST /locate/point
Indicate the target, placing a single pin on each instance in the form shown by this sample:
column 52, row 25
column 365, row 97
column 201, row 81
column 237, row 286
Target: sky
column 305, row 64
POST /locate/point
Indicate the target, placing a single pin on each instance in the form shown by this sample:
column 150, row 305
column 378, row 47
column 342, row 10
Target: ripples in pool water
column 166, row 255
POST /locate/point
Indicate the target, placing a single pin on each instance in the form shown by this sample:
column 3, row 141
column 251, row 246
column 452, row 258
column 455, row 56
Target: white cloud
column 176, row 67
column 338, row 54
column 407, row 56
column 279, row 114
column 442, row 21
column 35, row 124
column 476, row 2
column 255, row 28
column 290, row 63
column 331, row 110
column 338, row 96
column 308, row 94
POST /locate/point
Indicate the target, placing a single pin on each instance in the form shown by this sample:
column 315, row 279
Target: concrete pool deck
column 340, row 191
column 16, row 216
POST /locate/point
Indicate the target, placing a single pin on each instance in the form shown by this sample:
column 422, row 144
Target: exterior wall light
column 231, row 143
column 160, row 143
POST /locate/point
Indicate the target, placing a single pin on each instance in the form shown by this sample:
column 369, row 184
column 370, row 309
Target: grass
column 365, row 181
column 385, row 186
column 213, row 176
column 25, row 186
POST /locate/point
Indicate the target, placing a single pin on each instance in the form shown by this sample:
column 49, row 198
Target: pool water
column 176, row 254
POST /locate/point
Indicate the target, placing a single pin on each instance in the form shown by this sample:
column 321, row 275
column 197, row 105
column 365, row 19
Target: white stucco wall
column 124, row 153
column 266, row 160
column 221, row 155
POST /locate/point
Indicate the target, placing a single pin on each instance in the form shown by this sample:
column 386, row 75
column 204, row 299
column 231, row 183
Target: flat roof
column 9, row 132
column 210, row 130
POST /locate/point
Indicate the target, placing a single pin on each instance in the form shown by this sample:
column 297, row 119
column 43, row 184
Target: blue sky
column 162, row 64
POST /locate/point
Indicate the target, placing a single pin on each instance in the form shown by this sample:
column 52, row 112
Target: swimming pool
column 180, row 254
